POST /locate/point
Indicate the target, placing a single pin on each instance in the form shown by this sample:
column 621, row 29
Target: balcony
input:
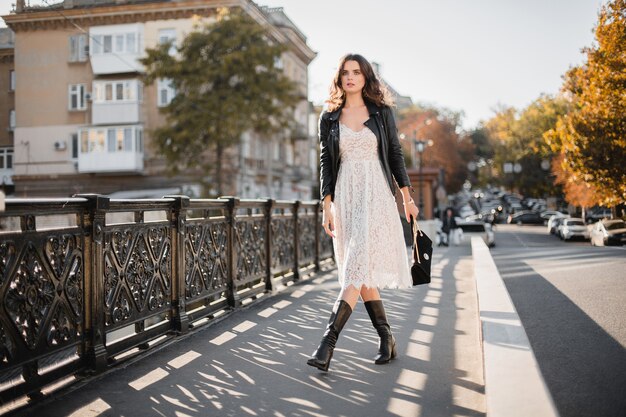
column 116, row 49
column 108, row 113
column 116, row 101
column 111, row 149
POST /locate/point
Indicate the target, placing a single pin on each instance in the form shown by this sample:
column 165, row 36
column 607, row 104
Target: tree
column 226, row 82
column 450, row 150
column 592, row 136
column 577, row 193
column 518, row 137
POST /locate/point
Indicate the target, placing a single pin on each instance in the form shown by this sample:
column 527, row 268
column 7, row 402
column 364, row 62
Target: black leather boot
column 387, row 345
column 324, row 352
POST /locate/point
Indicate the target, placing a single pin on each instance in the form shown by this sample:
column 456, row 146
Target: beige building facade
column 7, row 109
column 83, row 116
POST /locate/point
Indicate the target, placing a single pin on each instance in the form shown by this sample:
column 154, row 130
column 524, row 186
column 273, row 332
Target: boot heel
column 394, row 353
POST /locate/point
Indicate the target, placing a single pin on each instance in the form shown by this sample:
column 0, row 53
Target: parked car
column 525, row 217
column 555, row 221
column 549, row 213
column 608, row 232
column 600, row 213
column 478, row 228
column 573, row 227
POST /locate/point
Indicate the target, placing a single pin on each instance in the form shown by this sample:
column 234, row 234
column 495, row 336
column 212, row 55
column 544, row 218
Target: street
column 570, row 297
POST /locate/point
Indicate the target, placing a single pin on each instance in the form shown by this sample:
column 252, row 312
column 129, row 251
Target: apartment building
column 7, row 109
column 82, row 116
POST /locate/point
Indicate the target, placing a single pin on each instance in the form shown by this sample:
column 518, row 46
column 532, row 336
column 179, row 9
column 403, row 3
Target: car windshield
column 575, row 223
column 615, row 225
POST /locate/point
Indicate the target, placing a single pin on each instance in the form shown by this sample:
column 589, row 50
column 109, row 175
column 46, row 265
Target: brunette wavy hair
column 374, row 90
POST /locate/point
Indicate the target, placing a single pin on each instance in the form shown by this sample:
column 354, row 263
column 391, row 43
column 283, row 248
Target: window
column 139, row 140
column 168, row 35
column 78, row 48
column 76, row 96
column 131, row 43
column 12, row 120
column 6, row 158
column 166, row 92
column 11, row 80
column 117, row 91
column 107, row 44
column 74, row 142
column 119, row 43
column 110, row 140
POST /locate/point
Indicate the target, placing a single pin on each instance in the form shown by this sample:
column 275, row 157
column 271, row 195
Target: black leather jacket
column 382, row 123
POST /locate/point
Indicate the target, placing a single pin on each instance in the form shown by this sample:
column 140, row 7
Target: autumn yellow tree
column 450, row 150
column 592, row 136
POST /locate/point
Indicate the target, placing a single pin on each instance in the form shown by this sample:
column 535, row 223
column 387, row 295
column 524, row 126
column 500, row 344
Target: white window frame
column 115, row 43
column 78, row 48
column 166, row 35
column 111, row 139
column 164, row 87
column 4, row 158
column 11, row 80
column 80, row 92
column 132, row 91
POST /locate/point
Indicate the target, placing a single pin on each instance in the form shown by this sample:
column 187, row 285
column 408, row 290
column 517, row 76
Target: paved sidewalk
column 253, row 362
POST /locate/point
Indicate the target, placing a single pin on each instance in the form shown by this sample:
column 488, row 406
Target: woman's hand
column 410, row 209
column 328, row 221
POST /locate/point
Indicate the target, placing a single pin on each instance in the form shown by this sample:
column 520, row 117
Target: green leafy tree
column 226, row 82
column 592, row 136
column 518, row 137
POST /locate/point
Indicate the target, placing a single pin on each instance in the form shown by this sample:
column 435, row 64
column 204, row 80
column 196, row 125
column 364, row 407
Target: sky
column 464, row 55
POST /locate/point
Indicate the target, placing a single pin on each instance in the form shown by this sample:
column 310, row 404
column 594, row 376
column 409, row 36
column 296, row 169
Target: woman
column 359, row 161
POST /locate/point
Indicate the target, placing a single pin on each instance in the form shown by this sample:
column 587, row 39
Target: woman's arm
column 410, row 209
column 395, row 157
column 325, row 159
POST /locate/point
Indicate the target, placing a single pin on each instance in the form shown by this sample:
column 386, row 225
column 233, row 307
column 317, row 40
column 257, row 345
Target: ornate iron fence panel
column 283, row 248
column 306, row 236
column 249, row 245
column 41, row 281
column 326, row 244
column 206, row 260
column 42, row 288
column 137, row 272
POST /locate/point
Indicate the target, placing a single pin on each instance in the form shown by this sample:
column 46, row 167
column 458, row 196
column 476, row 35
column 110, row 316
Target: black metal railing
column 88, row 278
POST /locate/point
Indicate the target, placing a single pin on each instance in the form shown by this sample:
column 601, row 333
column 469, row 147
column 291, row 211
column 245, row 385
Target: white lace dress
column 369, row 243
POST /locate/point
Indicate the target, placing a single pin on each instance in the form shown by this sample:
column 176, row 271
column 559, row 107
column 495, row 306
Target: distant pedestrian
column 449, row 226
column 360, row 159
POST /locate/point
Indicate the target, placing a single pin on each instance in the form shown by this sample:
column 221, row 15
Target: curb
column 514, row 385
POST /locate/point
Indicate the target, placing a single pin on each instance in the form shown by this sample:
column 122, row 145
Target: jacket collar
column 371, row 108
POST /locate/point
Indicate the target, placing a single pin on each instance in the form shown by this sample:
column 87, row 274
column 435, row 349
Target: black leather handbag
column 422, row 255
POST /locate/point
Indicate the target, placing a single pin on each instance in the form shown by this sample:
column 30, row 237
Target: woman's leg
column 341, row 313
column 369, row 294
column 376, row 311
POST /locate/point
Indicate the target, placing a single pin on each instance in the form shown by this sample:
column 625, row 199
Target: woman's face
column 352, row 79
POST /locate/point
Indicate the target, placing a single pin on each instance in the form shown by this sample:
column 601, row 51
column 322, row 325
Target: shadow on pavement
column 584, row 367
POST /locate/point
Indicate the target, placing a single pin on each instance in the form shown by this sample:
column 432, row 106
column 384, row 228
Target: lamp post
column 420, row 146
